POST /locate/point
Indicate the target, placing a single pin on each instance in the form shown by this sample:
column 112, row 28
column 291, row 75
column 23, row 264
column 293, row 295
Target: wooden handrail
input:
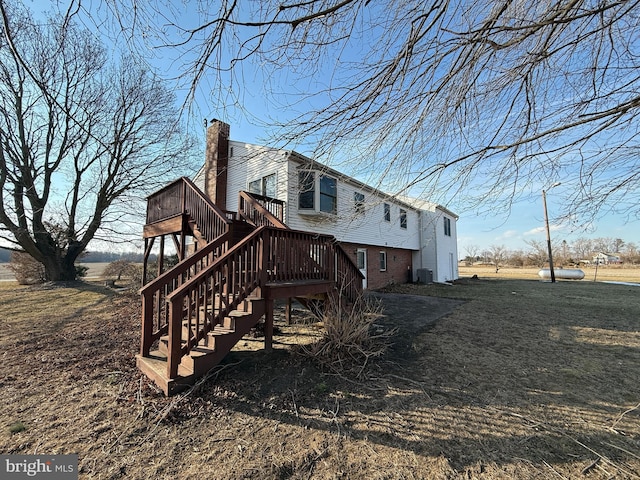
column 215, row 291
column 183, row 197
column 180, row 197
column 260, row 210
column 210, row 219
column 268, row 255
column 350, row 277
column 201, row 290
column 155, row 319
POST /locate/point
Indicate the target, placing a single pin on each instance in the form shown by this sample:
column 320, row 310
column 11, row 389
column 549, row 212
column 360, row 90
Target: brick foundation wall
column 398, row 264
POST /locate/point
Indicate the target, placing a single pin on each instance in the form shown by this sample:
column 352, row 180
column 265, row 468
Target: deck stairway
column 194, row 313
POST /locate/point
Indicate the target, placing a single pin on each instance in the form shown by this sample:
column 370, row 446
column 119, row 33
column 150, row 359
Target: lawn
column 521, row 379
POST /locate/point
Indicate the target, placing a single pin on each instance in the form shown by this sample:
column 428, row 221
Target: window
column 255, row 187
column 310, row 183
column 387, row 212
column 306, row 198
column 264, row 186
column 403, row 218
column 328, row 194
column 447, row 226
column 383, row 261
column 358, row 201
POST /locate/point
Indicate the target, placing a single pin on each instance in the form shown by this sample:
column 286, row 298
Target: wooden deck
column 194, row 313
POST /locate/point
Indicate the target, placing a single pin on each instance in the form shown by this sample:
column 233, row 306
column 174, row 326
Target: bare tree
column 521, row 94
column 606, row 244
column 517, row 258
column 539, row 253
column 617, row 245
column 631, row 254
column 472, row 253
column 498, row 255
column 565, row 256
column 583, row 248
column 82, row 137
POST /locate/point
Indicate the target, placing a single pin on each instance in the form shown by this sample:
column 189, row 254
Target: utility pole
column 546, row 222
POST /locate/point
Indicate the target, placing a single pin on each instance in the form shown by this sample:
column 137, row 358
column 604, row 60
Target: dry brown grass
column 611, row 273
column 522, row 380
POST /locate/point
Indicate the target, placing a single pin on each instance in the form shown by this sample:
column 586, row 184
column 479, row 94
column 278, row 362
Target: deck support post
column 287, row 312
column 268, row 324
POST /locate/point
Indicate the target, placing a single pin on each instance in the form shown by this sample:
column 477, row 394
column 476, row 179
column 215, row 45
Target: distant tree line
column 565, row 253
column 92, row 257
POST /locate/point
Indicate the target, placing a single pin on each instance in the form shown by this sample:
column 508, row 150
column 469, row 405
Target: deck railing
column 155, row 314
column 180, row 197
column 348, row 275
column 183, row 197
column 268, row 255
column 202, row 303
column 260, row 210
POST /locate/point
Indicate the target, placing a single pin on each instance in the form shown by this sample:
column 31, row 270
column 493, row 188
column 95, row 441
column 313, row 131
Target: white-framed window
column 358, row 202
column 383, row 261
column 317, row 192
column 387, row 212
column 403, row 218
column 264, row 186
column 447, row 226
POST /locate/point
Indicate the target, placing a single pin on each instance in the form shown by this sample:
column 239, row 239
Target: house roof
column 429, row 206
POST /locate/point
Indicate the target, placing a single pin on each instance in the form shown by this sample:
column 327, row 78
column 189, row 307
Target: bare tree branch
column 78, row 134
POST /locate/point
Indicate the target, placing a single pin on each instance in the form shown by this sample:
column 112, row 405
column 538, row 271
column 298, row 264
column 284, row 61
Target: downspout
column 435, row 252
column 421, row 240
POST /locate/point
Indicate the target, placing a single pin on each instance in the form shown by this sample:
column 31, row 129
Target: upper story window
column 387, row 212
column 328, row 194
column 447, row 226
column 403, row 218
column 318, row 192
column 264, row 186
column 358, row 202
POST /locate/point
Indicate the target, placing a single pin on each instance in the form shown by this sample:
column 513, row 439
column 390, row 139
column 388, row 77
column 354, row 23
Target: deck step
column 155, row 367
column 207, row 354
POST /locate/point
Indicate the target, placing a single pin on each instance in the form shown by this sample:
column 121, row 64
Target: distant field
column 604, row 273
column 617, row 273
column 95, row 270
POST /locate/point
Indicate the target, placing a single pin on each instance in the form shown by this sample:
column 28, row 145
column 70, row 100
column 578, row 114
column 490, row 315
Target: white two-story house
column 392, row 239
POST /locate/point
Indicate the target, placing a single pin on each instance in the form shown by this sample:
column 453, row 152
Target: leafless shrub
column 26, row 269
column 351, row 335
column 124, row 269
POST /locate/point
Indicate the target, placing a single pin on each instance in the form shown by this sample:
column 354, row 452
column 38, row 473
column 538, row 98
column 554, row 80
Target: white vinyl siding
column 366, row 228
column 251, row 163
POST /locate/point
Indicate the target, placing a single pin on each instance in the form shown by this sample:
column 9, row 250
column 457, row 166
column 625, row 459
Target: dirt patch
column 488, row 380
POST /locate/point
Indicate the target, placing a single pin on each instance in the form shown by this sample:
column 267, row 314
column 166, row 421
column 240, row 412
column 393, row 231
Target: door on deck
column 361, row 260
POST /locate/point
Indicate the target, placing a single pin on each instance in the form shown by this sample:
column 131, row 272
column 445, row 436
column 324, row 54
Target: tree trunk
column 60, row 269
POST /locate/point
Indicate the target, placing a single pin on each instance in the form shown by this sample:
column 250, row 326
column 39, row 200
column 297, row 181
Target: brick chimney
column 216, row 163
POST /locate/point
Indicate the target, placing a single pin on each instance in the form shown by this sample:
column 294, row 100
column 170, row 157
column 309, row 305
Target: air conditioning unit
column 425, row 275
